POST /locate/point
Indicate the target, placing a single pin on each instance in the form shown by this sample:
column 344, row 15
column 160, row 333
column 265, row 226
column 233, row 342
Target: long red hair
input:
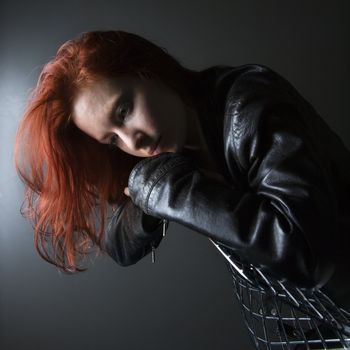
column 69, row 177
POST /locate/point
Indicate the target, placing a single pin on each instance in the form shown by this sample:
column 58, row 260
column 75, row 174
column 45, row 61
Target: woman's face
column 141, row 117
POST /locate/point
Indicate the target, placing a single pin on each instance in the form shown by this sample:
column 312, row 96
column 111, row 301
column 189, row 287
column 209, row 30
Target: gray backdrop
column 184, row 300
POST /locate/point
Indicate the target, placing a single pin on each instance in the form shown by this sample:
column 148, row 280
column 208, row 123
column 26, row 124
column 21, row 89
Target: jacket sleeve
column 130, row 234
column 283, row 220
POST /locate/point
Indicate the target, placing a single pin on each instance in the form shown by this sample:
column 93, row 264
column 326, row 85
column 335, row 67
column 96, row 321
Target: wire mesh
column 279, row 315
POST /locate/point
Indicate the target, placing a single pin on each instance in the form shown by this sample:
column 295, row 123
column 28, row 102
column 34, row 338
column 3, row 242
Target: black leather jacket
column 285, row 204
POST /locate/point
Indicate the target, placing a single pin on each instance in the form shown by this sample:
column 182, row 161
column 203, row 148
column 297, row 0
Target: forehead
column 99, row 91
column 92, row 103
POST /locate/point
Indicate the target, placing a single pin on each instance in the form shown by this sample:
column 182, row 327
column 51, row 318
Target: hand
column 126, row 191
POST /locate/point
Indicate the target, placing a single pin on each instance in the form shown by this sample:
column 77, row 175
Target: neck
column 195, row 137
column 196, row 146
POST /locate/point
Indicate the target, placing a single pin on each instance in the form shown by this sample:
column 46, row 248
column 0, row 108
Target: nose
column 136, row 140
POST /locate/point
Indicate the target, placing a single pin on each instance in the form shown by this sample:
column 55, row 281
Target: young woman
column 234, row 153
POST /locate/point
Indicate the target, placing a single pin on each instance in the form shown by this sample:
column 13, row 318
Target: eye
column 113, row 141
column 123, row 110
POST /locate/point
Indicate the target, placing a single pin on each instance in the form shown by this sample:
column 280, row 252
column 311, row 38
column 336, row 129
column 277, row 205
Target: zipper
column 165, row 222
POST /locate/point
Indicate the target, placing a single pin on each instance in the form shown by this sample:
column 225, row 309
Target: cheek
column 149, row 118
column 153, row 122
column 166, row 113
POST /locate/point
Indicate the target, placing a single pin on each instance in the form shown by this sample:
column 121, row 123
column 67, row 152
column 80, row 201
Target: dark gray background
column 184, row 300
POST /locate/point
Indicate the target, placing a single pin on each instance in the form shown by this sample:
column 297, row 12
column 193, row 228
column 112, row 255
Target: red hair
column 67, row 174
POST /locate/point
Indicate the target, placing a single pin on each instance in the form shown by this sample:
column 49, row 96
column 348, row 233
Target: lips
column 154, row 150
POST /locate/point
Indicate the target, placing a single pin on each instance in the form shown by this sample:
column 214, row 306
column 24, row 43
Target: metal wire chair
column 279, row 315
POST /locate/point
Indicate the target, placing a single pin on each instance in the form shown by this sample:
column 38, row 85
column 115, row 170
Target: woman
column 234, row 153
